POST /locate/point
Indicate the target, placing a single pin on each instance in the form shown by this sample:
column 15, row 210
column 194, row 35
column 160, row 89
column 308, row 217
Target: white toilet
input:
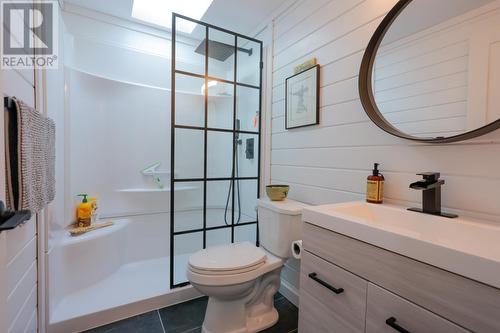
column 241, row 279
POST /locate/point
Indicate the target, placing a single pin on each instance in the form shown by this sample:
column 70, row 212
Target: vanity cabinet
column 382, row 291
column 387, row 312
column 329, row 308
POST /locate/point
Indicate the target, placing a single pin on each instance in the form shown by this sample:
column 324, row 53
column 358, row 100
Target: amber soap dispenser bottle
column 375, row 186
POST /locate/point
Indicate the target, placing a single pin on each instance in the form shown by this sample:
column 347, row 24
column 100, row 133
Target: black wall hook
column 8, row 102
column 10, row 219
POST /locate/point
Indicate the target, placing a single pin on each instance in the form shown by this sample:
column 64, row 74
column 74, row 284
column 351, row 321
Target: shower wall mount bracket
column 154, row 172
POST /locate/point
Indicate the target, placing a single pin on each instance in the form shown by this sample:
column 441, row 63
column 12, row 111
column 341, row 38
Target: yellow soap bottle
column 84, row 212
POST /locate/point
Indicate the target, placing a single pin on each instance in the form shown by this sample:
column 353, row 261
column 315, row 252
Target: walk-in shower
column 207, row 141
column 171, row 188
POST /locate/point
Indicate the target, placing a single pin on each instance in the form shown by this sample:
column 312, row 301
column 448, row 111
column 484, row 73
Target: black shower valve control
column 249, row 148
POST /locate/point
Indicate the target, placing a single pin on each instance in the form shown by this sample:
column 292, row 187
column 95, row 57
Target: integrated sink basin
column 462, row 246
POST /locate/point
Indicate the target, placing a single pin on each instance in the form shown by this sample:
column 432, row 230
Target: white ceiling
column 243, row 16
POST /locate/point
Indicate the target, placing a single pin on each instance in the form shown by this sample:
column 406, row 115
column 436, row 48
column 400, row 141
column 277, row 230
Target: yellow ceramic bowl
column 277, row 192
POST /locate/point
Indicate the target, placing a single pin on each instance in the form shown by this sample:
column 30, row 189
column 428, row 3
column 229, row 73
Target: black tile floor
column 188, row 317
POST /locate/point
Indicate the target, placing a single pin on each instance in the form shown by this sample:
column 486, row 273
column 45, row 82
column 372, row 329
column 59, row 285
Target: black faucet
column 431, row 194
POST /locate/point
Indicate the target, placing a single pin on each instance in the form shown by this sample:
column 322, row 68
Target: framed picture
column 302, row 98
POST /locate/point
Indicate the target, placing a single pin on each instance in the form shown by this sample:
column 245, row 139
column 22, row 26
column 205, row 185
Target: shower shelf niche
column 152, row 190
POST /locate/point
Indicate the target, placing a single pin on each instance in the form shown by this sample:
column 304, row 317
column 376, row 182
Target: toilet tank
column 280, row 223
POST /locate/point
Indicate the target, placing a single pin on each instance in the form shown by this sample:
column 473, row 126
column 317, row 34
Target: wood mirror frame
column 366, row 89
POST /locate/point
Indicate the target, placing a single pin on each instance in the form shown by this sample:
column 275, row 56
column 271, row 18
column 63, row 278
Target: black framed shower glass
column 215, row 140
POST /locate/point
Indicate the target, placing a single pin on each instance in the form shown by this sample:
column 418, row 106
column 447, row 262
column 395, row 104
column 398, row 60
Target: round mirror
column 431, row 71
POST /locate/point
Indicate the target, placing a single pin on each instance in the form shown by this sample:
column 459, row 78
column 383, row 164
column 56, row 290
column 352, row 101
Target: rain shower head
column 219, row 51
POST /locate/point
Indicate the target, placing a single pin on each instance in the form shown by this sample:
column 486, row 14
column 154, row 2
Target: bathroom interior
column 243, row 166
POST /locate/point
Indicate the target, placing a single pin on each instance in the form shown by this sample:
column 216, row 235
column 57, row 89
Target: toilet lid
column 231, row 257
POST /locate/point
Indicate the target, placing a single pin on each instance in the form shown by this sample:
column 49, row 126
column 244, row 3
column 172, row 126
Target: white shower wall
column 116, row 130
column 118, row 98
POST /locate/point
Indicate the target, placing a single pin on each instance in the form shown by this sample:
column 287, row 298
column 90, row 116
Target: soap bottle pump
column 84, row 212
column 375, row 186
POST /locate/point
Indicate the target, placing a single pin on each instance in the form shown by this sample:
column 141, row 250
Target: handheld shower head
column 237, row 137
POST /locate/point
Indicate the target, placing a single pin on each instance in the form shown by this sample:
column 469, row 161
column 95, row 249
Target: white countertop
column 462, row 246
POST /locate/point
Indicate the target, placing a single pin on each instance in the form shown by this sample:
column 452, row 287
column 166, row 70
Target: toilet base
column 262, row 322
column 254, row 325
column 252, row 312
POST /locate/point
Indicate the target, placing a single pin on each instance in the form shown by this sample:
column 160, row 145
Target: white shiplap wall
column 329, row 163
column 20, row 245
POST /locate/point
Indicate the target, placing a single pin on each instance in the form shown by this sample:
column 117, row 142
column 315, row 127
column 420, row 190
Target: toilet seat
column 237, row 263
column 226, row 272
column 227, row 259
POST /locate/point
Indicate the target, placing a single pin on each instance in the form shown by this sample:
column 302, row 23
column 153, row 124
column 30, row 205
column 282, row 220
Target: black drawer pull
column 314, row 276
column 392, row 323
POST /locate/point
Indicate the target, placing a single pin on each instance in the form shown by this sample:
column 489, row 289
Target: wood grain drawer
column 322, row 307
column 383, row 305
column 468, row 303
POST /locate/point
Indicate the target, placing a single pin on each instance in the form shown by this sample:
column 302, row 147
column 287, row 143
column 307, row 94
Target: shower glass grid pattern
column 206, row 129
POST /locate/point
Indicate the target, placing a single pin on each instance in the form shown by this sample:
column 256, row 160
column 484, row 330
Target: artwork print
column 302, row 99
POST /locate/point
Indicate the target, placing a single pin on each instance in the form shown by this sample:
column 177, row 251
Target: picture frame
column 302, row 98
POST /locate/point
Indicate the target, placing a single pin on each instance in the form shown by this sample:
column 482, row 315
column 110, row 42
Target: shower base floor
column 134, row 288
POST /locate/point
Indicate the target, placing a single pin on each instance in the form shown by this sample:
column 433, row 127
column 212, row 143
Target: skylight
column 159, row 12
